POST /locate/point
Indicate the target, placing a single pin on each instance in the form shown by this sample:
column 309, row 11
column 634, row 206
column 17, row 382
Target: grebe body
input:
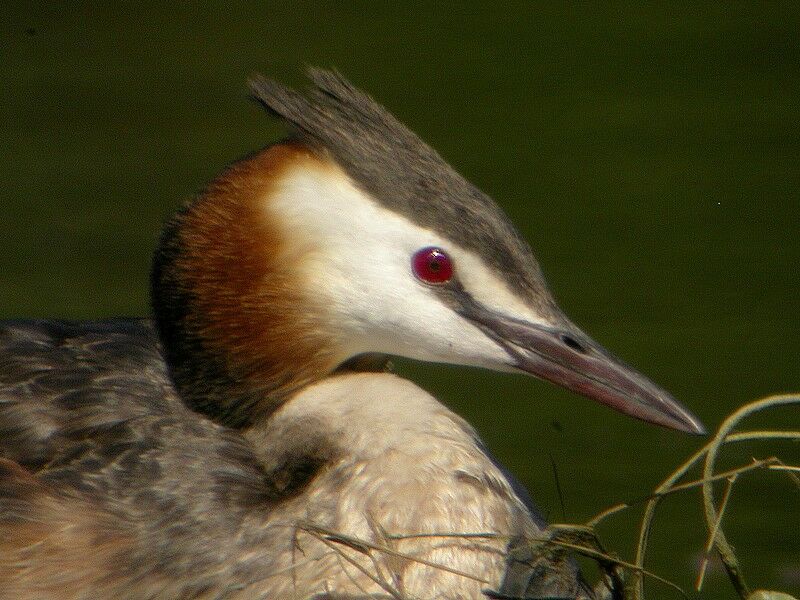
column 201, row 454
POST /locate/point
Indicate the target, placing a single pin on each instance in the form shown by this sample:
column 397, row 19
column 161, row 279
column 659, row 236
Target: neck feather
column 238, row 332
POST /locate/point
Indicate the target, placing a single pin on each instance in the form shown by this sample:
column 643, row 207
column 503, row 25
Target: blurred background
column 651, row 156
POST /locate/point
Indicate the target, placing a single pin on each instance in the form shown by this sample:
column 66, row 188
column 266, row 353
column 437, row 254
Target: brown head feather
column 238, row 332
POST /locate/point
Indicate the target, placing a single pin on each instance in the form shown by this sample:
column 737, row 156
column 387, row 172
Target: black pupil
column 434, row 265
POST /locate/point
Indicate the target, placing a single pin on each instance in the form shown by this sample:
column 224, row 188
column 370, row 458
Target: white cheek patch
column 489, row 289
column 356, row 258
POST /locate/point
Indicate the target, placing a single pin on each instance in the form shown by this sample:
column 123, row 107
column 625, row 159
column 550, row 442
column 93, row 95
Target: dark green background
column 649, row 155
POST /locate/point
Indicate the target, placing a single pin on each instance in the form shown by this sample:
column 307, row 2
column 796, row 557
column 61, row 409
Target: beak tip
column 684, row 421
column 698, row 429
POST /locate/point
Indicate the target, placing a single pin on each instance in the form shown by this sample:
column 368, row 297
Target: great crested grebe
column 210, row 470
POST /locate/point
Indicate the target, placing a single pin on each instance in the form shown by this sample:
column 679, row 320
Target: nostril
column 572, row 343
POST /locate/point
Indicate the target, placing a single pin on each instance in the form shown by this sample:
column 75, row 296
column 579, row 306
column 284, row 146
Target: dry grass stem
column 713, row 535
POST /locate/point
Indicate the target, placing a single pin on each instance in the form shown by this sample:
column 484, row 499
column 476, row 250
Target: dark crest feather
column 335, row 114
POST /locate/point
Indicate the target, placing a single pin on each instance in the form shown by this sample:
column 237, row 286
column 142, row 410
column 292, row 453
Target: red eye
column 432, row 265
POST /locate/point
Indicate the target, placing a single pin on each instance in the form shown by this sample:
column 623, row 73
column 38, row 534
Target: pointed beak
column 566, row 356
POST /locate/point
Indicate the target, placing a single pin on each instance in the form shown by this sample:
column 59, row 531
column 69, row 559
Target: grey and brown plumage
column 123, row 492
column 130, row 475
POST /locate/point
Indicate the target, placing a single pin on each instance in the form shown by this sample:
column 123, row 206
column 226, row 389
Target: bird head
column 354, row 238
